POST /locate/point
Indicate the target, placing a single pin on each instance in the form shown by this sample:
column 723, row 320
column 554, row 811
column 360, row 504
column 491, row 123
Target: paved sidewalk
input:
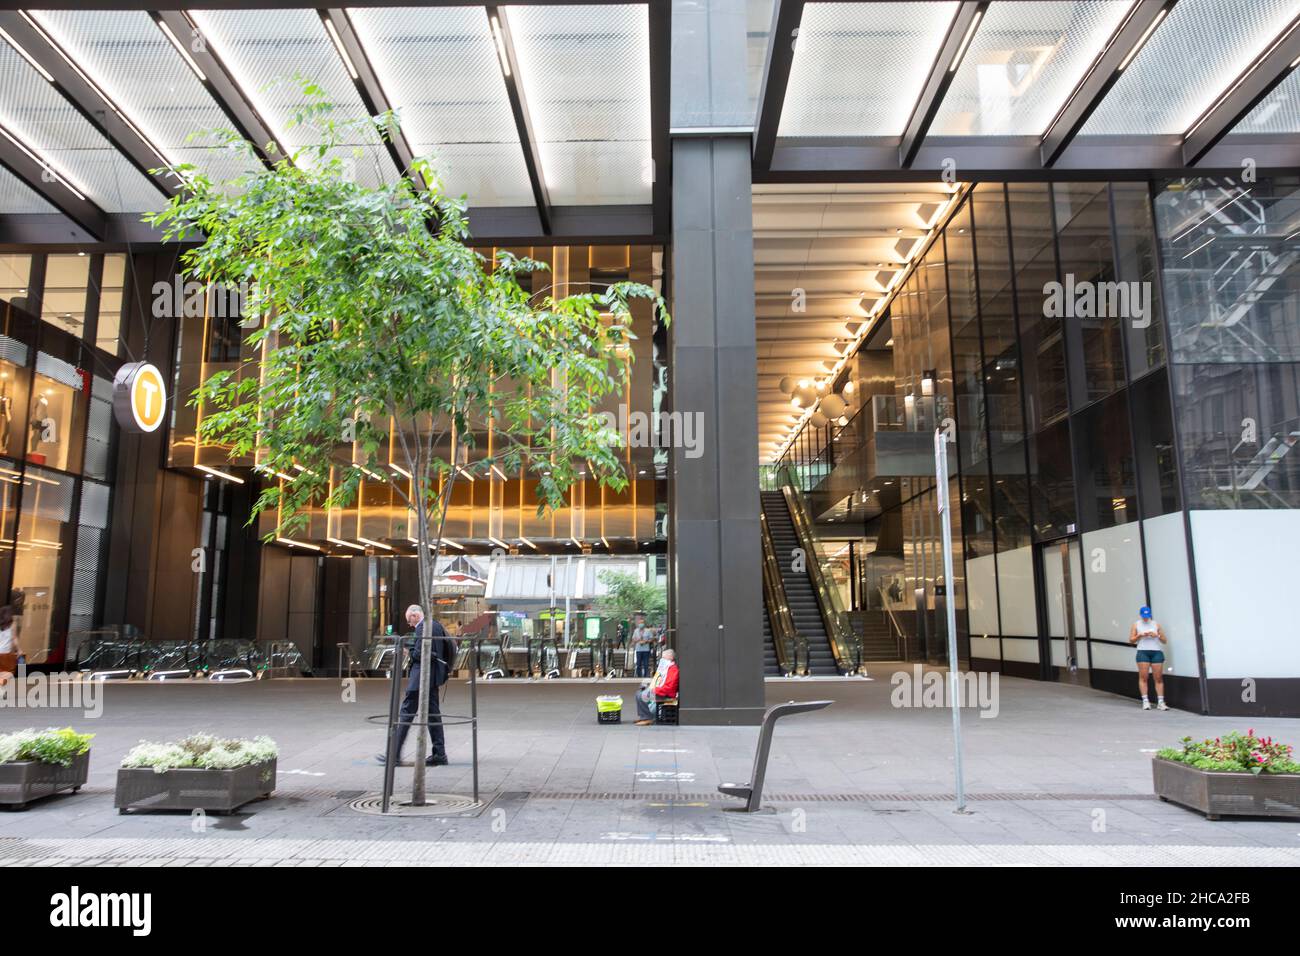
column 1060, row 776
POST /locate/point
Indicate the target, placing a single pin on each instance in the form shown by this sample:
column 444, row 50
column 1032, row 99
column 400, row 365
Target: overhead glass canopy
column 1190, row 60
column 439, row 69
column 1278, row 112
column 272, row 54
column 130, row 59
column 585, row 73
column 1022, row 64
column 32, row 110
column 859, row 67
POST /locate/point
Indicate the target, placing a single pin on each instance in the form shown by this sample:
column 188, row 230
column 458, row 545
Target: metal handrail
column 785, row 636
column 845, row 643
column 900, row 639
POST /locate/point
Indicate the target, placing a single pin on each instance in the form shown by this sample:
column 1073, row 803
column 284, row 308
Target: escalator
column 800, row 594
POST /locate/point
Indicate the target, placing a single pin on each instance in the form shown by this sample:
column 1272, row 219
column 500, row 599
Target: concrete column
column 714, row 520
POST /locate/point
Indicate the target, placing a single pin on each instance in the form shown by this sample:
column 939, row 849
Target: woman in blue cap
column 1148, row 635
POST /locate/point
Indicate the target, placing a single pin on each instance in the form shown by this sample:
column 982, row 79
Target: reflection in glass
column 67, row 281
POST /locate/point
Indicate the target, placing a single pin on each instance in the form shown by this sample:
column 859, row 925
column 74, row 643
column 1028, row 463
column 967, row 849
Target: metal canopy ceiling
column 541, row 114
column 874, row 90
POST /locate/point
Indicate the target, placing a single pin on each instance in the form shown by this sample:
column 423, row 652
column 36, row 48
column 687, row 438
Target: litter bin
column 609, row 709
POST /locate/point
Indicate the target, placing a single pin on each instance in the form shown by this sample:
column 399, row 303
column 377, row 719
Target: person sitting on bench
column 662, row 688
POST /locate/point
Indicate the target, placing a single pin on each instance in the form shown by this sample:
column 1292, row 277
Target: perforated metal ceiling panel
column 272, row 54
column 859, row 68
column 130, row 59
column 585, row 72
column 1278, row 112
column 439, row 69
column 17, row 198
column 1192, row 58
column 36, row 114
column 1023, row 63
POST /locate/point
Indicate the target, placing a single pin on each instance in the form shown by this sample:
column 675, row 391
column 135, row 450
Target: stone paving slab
column 1060, row 776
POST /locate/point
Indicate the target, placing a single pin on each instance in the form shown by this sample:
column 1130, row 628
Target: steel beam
column 28, row 167
column 500, row 27
column 661, row 149
column 960, row 33
column 1255, row 82
column 1101, row 76
column 786, row 17
column 79, row 89
column 222, row 85
column 370, row 89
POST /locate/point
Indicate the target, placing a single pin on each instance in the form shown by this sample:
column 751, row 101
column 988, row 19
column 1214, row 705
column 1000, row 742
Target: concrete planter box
column 23, row 781
column 218, row 791
column 1227, row 794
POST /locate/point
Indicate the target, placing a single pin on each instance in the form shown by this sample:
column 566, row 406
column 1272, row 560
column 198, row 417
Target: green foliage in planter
column 51, row 745
column 1234, row 753
column 200, row 751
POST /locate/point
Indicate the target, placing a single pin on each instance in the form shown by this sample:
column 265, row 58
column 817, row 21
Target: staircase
column 878, row 640
column 799, row 592
column 771, row 667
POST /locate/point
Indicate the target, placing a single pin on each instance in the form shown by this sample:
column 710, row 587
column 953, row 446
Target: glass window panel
column 266, row 50
column 1135, row 235
column 90, row 563
column 37, row 115
column 67, row 282
column 45, row 535
column 439, row 67
column 1096, row 307
column 57, row 423
column 1042, row 336
column 1153, row 443
column 1107, row 478
column 859, row 67
column 1239, row 426
column 13, row 398
column 1051, row 480
column 15, row 271
column 108, row 329
column 1022, row 64
column 585, row 73
column 1230, row 262
column 99, row 428
column 1190, row 60
column 129, row 57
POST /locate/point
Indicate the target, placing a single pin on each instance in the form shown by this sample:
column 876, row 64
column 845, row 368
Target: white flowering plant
column 201, row 751
column 53, row 745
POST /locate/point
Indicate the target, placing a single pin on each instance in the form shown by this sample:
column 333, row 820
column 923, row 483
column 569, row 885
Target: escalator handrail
column 785, row 636
column 845, row 644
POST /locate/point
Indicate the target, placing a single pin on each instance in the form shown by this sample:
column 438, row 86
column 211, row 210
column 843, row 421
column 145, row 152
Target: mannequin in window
column 44, row 428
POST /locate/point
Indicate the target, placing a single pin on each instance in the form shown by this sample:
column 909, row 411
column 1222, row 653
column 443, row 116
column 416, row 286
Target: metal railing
column 846, row 645
column 785, row 637
column 900, row 636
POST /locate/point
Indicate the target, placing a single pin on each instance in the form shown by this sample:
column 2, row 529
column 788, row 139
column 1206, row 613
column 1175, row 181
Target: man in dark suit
column 443, row 652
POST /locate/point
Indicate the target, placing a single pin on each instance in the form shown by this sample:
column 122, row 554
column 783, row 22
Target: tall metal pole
column 393, row 716
column 954, row 677
column 473, row 723
column 422, row 718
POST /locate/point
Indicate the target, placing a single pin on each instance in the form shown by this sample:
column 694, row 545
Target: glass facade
column 56, row 444
column 1032, row 329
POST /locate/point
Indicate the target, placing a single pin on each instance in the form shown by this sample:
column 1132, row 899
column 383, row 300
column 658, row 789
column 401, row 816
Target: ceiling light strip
column 27, row 56
column 180, row 48
column 95, row 88
column 44, row 163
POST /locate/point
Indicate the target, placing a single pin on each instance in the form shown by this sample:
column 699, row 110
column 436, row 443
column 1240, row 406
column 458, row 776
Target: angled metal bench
column 752, row 792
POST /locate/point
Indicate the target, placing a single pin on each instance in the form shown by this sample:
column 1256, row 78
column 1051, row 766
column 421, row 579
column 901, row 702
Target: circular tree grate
column 435, row 805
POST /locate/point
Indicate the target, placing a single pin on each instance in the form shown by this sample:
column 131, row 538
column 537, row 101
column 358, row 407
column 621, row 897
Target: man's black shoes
column 435, row 762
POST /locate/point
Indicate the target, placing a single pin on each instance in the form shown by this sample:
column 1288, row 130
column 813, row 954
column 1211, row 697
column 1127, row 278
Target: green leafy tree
column 388, row 349
column 627, row 595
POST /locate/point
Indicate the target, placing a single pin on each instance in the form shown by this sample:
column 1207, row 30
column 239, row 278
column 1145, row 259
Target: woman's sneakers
column 1146, row 704
column 1160, row 704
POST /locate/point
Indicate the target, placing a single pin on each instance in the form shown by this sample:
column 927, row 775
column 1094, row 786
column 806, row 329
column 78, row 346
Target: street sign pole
column 954, row 677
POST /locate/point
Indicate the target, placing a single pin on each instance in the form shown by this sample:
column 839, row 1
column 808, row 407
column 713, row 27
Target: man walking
column 443, row 652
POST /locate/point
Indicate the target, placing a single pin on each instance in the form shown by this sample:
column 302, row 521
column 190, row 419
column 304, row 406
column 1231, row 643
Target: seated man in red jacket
column 663, row 687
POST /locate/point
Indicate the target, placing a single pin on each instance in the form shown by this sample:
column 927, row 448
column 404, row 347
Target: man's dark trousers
column 411, row 703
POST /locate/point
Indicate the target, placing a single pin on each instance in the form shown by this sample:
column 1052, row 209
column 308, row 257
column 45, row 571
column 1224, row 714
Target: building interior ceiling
column 825, row 260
